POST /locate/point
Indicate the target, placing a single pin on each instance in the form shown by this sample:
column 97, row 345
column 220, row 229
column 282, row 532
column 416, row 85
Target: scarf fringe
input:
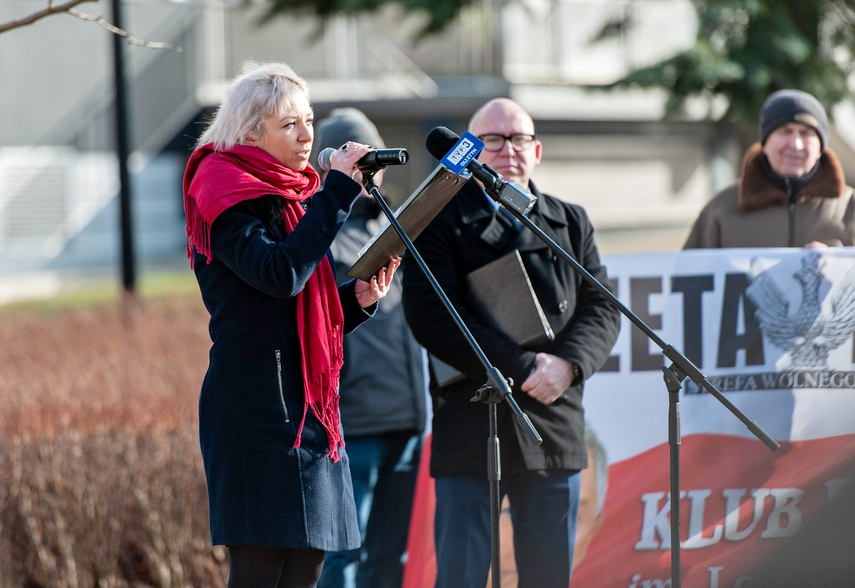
column 324, row 412
column 326, row 408
column 198, row 233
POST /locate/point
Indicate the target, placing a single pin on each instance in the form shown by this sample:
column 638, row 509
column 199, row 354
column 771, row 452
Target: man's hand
column 549, row 379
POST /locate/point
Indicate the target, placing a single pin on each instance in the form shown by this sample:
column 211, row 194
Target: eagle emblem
column 809, row 334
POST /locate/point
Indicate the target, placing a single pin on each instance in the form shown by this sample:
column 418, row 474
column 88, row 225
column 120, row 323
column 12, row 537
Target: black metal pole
column 494, row 473
column 673, row 378
column 128, row 262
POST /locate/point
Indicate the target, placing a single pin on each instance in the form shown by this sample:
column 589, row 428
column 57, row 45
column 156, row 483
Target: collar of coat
column 758, row 191
column 474, row 208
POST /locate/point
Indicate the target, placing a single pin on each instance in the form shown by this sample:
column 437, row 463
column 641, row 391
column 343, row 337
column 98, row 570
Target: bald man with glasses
column 540, row 481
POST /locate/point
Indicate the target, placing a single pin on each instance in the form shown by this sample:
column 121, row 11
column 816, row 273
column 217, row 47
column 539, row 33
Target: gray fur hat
column 785, row 106
column 343, row 125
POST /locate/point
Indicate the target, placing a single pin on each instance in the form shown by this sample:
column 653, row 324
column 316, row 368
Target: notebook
column 500, row 295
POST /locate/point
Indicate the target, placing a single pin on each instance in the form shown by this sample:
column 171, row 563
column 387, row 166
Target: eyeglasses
column 497, row 142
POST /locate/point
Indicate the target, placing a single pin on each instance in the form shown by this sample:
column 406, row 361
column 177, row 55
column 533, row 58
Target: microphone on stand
column 371, row 161
column 448, row 147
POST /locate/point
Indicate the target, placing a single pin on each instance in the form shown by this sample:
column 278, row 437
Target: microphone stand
column 496, row 389
column 674, row 374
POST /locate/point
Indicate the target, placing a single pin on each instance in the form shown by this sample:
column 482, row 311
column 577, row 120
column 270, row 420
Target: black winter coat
column 467, row 234
column 262, row 490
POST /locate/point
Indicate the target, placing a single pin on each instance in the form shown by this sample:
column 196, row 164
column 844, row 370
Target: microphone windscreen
column 440, row 141
column 325, row 158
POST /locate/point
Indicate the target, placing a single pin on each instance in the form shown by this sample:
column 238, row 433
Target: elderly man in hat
column 791, row 190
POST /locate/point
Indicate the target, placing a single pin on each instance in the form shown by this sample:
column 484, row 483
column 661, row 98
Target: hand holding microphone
column 369, row 160
column 344, row 159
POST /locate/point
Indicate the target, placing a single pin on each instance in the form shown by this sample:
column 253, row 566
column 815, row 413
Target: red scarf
column 216, row 180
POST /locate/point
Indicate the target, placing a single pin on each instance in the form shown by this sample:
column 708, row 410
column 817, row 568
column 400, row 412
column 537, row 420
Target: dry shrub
column 99, row 368
column 101, row 482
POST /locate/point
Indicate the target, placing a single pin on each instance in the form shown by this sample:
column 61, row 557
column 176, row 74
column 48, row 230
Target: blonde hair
column 260, row 91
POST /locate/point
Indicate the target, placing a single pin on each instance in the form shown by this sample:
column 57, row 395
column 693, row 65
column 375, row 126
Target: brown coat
column 757, row 212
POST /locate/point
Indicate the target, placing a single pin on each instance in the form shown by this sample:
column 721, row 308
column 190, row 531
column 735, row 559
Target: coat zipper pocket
column 281, row 391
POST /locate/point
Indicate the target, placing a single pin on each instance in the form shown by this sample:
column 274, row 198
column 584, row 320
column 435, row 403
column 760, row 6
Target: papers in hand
column 413, row 216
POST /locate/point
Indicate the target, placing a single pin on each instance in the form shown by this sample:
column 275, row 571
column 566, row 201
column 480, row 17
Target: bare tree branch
column 122, row 33
column 36, row 16
column 69, row 7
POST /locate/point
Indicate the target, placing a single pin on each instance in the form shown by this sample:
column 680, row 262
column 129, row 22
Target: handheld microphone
column 371, row 161
column 441, row 141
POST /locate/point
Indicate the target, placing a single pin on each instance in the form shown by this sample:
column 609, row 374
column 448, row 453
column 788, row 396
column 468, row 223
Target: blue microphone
column 458, row 153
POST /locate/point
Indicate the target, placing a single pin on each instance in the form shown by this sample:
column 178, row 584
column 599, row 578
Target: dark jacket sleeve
column 704, row 232
column 354, row 315
column 278, row 264
column 588, row 338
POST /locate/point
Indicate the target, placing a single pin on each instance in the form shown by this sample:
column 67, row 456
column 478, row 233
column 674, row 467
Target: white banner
column 770, row 363
column 772, row 330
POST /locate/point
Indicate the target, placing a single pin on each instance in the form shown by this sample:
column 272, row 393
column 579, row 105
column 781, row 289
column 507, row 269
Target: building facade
column 641, row 179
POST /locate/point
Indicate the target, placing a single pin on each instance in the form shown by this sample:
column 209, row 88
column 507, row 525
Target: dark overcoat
column 261, row 489
column 467, row 234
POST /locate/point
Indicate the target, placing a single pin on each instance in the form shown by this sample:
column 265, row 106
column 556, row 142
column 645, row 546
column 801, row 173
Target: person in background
column 279, row 490
column 791, row 190
column 383, row 418
column 540, row 481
